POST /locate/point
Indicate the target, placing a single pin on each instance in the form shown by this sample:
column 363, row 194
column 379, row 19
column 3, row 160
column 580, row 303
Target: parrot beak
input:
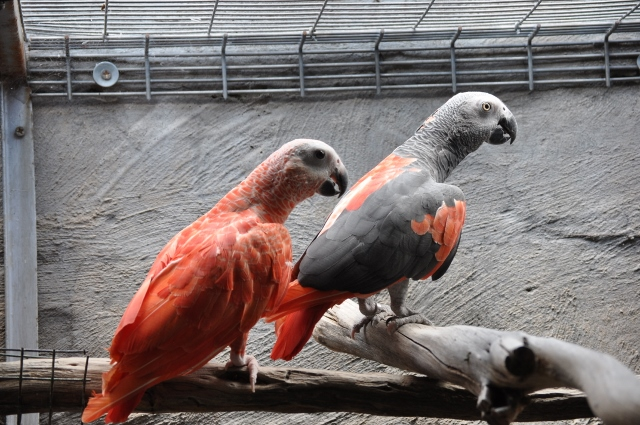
column 337, row 183
column 507, row 124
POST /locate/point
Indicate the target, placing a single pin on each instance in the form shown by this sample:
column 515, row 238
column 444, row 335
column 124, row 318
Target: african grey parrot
column 400, row 221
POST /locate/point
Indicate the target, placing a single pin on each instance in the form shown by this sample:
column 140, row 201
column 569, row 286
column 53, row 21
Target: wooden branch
column 213, row 389
column 501, row 368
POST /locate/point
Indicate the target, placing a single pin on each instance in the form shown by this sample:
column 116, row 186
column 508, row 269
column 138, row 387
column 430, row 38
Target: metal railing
column 225, row 47
column 22, row 354
column 166, row 17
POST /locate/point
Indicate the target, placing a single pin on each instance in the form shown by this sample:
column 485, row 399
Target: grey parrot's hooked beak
column 337, row 183
column 507, row 124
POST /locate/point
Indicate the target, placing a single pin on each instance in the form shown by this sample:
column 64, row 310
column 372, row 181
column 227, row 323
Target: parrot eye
column 319, row 154
column 486, row 106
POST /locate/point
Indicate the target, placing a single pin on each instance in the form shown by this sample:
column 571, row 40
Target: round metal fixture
column 105, row 74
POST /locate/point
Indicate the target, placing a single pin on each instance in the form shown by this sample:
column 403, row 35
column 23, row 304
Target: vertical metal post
column 213, row 15
column 633, row 9
column 377, row 57
column 521, row 21
column 530, row 55
column 84, row 377
column 453, row 59
column 67, row 55
column 607, row 68
column 53, row 375
column 20, row 381
column 106, row 19
column 223, row 66
column 19, row 195
column 147, row 67
column 301, row 62
column 424, row 14
column 315, row 24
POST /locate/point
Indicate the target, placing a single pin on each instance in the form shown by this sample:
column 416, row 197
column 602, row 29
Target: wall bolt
column 19, row 132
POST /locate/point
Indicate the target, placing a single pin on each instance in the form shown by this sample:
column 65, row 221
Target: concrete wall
column 550, row 245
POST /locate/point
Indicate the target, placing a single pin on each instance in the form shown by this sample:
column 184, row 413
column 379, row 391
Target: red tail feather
column 300, row 310
column 99, row 405
column 294, row 330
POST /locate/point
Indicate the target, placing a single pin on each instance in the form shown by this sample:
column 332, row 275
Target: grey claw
column 360, row 325
column 394, row 323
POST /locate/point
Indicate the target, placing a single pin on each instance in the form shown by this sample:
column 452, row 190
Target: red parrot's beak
column 337, row 183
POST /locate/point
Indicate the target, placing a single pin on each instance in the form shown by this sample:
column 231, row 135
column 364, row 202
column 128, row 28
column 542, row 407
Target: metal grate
column 20, row 355
column 485, row 18
column 224, row 47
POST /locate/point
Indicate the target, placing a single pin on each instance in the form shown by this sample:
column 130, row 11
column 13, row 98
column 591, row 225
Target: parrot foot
column 393, row 323
column 371, row 315
column 250, row 362
column 360, row 325
column 500, row 406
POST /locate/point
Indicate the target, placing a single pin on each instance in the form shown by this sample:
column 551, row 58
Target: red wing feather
column 208, row 287
column 445, row 229
column 206, row 279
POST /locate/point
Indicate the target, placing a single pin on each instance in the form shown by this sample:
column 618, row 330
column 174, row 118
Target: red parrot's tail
column 295, row 330
column 117, row 410
column 118, row 399
column 297, row 315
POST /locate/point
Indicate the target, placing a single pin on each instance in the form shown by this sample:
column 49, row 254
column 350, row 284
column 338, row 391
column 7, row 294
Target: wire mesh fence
column 488, row 18
column 223, row 48
column 18, row 377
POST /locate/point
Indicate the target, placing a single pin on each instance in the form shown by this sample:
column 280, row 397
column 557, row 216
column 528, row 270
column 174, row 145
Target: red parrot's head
column 314, row 165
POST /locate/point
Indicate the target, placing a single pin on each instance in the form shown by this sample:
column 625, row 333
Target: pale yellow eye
column 486, row 106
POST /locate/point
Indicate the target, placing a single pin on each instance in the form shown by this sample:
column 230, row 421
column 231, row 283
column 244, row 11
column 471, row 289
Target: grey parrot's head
column 475, row 118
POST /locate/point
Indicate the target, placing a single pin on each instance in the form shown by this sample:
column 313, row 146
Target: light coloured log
column 501, row 368
column 214, row 389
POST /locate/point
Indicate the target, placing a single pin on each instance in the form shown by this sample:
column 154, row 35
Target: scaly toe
column 252, row 365
column 394, row 323
column 360, row 325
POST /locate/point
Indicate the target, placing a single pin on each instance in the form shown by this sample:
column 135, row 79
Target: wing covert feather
column 405, row 228
column 206, row 281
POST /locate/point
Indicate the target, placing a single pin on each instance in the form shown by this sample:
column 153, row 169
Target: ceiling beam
column 13, row 64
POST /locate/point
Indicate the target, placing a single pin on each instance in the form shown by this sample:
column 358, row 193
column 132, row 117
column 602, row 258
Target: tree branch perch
column 496, row 371
column 501, row 368
column 214, row 389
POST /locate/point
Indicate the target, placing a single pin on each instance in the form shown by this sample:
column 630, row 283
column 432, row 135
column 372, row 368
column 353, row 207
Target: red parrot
column 215, row 279
column 400, row 221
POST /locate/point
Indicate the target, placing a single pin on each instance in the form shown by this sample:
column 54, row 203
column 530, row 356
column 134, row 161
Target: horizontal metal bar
column 625, row 78
column 572, row 80
column 538, row 70
column 415, row 74
column 493, row 83
column 27, row 378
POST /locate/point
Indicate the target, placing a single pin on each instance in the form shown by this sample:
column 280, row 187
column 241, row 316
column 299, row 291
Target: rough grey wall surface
column 550, row 244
